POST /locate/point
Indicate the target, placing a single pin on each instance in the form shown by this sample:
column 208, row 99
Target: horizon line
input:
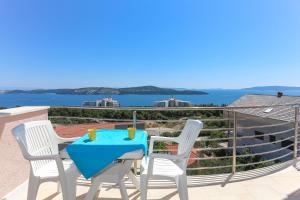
column 175, row 88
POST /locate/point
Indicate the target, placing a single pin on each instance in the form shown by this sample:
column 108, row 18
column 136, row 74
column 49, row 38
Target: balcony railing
column 231, row 142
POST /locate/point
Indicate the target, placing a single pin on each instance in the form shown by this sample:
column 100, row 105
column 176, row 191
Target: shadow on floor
column 133, row 196
column 206, row 180
column 293, row 196
column 52, row 196
column 198, row 181
column 224, row 179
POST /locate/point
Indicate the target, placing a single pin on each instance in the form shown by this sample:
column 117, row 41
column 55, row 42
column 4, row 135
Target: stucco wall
column 14, row 169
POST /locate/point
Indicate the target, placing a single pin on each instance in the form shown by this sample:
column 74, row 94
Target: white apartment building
column 172, row 102
column 105, row 103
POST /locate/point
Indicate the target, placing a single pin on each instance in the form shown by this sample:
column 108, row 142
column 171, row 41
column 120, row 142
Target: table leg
column 113, row 174
column 132, row 175
column 94, row 188
column 134, row 179
column 135, row 167
column 120, row 168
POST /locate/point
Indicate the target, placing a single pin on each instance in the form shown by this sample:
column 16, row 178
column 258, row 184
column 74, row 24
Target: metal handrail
column 227, row 108
column 212, row 148
column 267, row 134
column 265, row 161
column 245, row 155
column 232, row 130
column 265, row 143
column 266, row 152
column 130, row 120
column 211, row 158
column 241, row 165
column 91, row 118
column 205, row 129
column 216, row 167
column 213, row 139
column 264, row 126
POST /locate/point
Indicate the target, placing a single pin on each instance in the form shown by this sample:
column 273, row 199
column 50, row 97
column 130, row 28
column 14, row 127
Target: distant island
column 273, row 88
column 143, row 90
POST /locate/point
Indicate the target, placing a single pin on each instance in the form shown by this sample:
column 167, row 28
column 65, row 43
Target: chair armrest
column 166, row 156
column 56, row 158
column 152, row 156
column 61, row 139
column 64, row 140
column 159, row 138
column 46, row 157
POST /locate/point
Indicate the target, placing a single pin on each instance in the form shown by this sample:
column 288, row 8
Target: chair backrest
column 188, row 136
column 36, row 138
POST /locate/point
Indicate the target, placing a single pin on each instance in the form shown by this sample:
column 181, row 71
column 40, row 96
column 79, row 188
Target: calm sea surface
column 217, row 97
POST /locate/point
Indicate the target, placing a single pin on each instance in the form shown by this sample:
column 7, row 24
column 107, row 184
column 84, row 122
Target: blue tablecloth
column 91, row 157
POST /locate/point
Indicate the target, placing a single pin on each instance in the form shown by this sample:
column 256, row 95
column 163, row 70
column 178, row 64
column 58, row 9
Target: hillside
column 273, row 88
column 143, row 90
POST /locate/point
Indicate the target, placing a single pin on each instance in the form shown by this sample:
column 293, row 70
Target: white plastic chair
column 39, row 144
column 165, row 166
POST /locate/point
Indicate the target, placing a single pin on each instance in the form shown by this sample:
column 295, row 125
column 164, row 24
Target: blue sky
column 168, row 43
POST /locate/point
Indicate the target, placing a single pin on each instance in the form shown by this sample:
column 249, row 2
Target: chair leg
column 98, row 192
column 72, row 187
column 143, row 186
column 33, row 187
column 182, row 188
column 95, row 185
column 124, row 194
column 99, row 188
column 68, row 187
column 64, row 191
column 58, row 187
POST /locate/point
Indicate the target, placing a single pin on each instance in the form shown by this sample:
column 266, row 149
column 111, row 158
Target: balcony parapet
column 11, row 159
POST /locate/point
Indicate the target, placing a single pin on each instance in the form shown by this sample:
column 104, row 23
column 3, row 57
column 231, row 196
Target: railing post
column 229, row 124
column 234, row 142
column 134, row 126
column 296, row 133
column 134, row 119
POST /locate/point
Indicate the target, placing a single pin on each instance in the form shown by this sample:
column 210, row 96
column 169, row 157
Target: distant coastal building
column 172, row 102
column 104, row 103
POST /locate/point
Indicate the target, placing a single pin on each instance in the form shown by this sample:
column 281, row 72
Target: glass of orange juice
column 92, row 134
column 131, row 132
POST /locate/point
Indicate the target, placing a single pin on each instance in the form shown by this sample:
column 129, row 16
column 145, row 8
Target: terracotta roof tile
column 173, row 148
column 80, row 129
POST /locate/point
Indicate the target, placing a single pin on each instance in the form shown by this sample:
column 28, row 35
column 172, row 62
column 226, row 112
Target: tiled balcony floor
column 282, row 185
